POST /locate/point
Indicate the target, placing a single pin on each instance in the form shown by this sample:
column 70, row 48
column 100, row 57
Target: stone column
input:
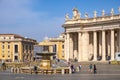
column 100, row 43
column 119, row 40
column 71, row 46
column 112, row 45
column 108, row 43
column 75, row 46
column 80, row 46
column 103, row 46
column 67, row 46
column 95, row 46
column 85, row 46
column 91, row 44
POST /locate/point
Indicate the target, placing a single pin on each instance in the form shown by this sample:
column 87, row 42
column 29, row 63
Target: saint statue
column 76, row 14
column 67, row 17
column 95, row 14
column 103, row 12
column 112, row 11
column 86, row 15
column 119, row 9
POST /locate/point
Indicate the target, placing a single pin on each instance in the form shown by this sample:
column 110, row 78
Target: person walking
column 80, row 67
column 90, row 67
column 72, row 68
column 94, row 69
column 35, row 69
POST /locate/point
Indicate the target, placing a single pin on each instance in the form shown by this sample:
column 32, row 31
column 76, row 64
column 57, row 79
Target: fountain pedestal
column 46, row 59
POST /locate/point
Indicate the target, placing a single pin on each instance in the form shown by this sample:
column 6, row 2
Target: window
column 118, row 55
column 8, row 46
column 46, row 48
column 16, row 48
column 3, row 56
column 16, row 57
column 2, row 46
column 54, row 48
column 62, row 46
column 8, row 55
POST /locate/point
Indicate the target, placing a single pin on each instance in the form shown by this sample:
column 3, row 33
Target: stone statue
column 103, row 12
column 86, row 15
column 112, row 11
column 76, row 14
column 95, row 14
column 119, row 9
column 67, row 17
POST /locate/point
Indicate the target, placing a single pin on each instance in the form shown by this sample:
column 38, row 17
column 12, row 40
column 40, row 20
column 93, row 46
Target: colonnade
column 92, row 45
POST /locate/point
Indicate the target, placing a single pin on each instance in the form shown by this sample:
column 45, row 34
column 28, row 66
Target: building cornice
column 92, row 21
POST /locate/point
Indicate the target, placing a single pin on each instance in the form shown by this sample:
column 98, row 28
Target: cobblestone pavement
column 104, row 72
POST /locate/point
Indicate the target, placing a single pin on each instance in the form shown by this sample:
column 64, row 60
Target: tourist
column 94, row 69
column 90, row 67
column 72, row 68
column 80, row 66
column 35, row 69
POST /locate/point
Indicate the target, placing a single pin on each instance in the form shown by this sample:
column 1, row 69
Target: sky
column 38, row 19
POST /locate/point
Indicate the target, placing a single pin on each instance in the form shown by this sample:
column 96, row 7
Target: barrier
column 46, row 71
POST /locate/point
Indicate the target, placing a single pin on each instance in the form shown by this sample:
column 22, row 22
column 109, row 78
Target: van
column 117, row 56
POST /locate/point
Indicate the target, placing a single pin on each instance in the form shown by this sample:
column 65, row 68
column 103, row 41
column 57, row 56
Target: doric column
column 85, row 46
column 80, row 46
column 75, row 46
column 119, row 40
column 91, row 44
column 67, row 36
column 112, row 45
column 103, row 46
column 71, row 46
column 95, row 46
column 108, row 38
column 100, row 43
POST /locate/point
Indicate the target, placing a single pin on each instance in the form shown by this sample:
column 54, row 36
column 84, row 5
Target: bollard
column 63, row 71
column 12, row 70
column 70, row 71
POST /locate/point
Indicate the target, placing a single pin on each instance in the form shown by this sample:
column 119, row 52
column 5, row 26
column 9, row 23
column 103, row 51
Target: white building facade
column 92, row 39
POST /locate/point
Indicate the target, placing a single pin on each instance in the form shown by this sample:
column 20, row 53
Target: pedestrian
column 72, row 68
column 90, row 67
column 80, row 66
column 35, row 69
column 94, row 69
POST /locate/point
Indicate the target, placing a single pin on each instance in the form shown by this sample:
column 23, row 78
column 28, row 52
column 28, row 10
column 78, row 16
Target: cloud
column 18, row 16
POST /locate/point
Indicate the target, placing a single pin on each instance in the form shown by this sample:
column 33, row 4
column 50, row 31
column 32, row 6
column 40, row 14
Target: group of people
column 92, row 68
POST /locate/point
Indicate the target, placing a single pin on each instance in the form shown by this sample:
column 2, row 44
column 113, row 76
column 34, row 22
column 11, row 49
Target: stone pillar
column 95, row 46
column 67, row 46
column 75, row 46
column 100, row 43
column 91, row 44
column 103, row 46
column 80, row 46
column 108, row 43
column 112, row 45
column 85, row 46
column 71, row 46
column 119, row 40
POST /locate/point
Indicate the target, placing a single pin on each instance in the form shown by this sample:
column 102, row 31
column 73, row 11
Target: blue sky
column 39, row 18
